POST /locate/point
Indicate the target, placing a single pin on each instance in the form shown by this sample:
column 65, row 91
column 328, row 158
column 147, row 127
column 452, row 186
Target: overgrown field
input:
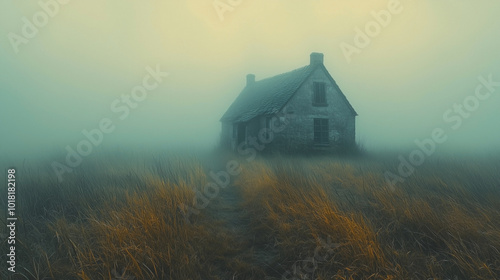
column 279, row 218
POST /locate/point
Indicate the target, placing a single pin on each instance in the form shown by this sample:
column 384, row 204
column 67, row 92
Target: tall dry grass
column 118, row 220
column 121, row 217
column 442, row 223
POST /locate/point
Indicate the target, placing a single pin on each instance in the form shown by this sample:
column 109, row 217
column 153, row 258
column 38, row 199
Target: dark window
column 268, row 122
column 321, row 131
column 319, row 96
column 241, row 133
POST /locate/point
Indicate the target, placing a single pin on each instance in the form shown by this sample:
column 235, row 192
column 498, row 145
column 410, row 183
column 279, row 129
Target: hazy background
column 92, row 52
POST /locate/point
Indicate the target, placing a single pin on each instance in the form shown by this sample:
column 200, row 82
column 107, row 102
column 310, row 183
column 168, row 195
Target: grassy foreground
column 299, row 218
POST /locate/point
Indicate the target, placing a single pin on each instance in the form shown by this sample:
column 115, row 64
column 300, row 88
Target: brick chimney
column 316, row 58
column 250, row 79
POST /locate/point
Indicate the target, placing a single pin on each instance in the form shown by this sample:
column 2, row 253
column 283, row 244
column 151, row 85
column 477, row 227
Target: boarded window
column 321, row 131
column 319, row 96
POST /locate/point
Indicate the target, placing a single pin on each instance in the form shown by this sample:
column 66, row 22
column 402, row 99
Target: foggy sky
column 90, row 53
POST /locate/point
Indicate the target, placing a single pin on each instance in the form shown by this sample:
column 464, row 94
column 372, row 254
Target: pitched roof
column 268, row 96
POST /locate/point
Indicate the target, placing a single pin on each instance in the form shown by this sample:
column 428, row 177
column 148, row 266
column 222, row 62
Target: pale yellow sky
column 91, row 52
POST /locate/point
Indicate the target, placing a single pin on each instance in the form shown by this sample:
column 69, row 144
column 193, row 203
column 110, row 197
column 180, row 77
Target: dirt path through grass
column 253, row 258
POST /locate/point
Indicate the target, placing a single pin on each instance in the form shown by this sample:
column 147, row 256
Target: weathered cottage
column 301, row 110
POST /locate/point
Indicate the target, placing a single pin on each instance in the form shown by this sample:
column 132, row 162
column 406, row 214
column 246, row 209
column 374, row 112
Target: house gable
column 334, row 95
column 307, row 120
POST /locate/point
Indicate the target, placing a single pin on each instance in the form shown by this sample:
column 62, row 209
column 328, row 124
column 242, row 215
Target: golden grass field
column 280, row 218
